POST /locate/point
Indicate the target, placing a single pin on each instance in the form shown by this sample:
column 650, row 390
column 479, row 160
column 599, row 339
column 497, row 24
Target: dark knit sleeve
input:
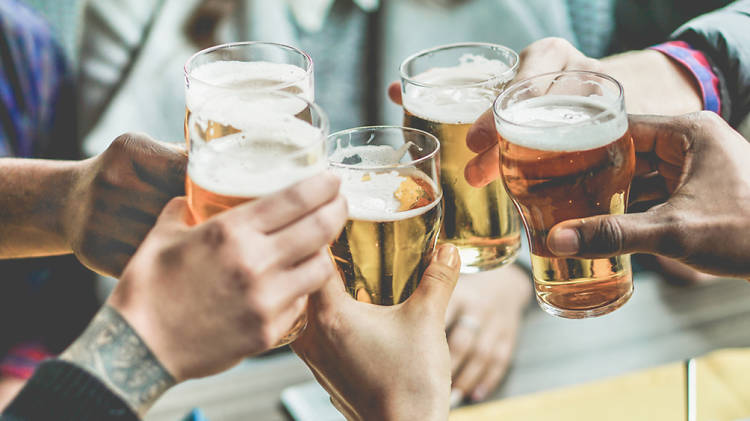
column 59, row 390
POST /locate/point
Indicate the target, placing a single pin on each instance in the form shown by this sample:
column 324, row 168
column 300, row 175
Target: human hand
column 668, row 89
column 384, row 362
column 116, row 198
column 695, row 167
column 483, row 318
column 203, row 297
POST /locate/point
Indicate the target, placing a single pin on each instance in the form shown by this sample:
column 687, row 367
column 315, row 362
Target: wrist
column 114, row 353
column 670, row 89
column 33, row 197
column 413, row 406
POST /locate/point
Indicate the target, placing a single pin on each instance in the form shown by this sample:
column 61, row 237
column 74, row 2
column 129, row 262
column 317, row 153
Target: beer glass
column 444, row 90
column 566, row 153
column 245, row 145
column 390, row 177
column 251, row 65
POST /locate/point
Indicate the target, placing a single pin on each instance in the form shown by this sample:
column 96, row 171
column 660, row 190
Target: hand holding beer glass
column 246, row 145
column 390, row 177
column 566, row 153
column 444, row 90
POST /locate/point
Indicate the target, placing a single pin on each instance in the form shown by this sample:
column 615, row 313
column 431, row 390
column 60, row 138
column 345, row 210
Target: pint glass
column 247, row 145
column 444, row 90
column 390, row 177
column 566, row 153
column 252, row 66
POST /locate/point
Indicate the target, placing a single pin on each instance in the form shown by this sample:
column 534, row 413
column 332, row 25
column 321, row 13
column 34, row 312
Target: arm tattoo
column 110, row 349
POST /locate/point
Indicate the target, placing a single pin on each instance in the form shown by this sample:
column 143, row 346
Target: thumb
column 438, row 281
column 394, row 93
column 610, row 235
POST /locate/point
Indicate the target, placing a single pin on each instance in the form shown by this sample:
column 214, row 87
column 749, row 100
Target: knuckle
column 325, row 227
column 459, row 344
column 322, row 268
column 296, row 196
column 215, row 234
column 441, row 273
column 605, row 236
column 673, row 241
column 172, row 256
column 553, row 43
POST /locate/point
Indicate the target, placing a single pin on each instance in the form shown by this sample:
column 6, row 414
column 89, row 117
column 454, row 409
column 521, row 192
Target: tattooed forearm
column 114, row 353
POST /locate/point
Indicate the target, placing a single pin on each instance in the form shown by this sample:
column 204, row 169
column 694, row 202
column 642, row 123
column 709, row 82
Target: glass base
column 475, row 259
column 584, row 313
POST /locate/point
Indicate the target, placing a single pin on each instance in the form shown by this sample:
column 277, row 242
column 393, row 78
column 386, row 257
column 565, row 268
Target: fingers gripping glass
column 245, row 145
column 566, row 153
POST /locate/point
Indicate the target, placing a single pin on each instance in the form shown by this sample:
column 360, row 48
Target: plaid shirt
column 33, row 79
column 696, row 63
column 35, row 108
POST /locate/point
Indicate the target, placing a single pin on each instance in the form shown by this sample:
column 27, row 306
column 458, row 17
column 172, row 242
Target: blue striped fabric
column 32, row 74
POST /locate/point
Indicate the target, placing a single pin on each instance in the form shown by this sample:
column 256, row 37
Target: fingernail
column 456, row 397
column 448, row 254
column 479, row 394
column 564, row 242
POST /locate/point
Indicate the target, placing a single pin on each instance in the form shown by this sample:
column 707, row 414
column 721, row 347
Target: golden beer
column 395, row 212
column 445, row 101
column 244, row 147
column 566, row 157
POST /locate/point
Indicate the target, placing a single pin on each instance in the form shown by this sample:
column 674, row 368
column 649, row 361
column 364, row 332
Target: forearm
column 32, row 203
column 669, row 89
column 113, row 352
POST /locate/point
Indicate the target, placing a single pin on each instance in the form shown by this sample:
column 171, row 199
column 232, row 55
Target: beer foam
column 226, row 91
column 449, row 99
column 249, row 74
column 562, row 123
column 371, row 195
column 279, row 151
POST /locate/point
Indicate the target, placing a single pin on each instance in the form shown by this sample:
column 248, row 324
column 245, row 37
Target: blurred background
column 125, row 65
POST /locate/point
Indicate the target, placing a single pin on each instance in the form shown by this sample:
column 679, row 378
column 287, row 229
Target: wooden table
column 661, row 323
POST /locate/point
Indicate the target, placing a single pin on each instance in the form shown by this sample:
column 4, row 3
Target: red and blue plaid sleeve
column 22, row 360
column 696, row 63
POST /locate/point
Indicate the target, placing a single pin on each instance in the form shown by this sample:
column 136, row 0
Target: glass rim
column 324, row 125
column 411, row 163
column 187, row 68
column 515, row 86
column 504, row 76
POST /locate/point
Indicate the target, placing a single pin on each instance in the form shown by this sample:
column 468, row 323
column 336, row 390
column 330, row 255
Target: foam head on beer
column 246, row 146
column 456, row 94
column 570, row 123
column 382, row 195
column 207, row 78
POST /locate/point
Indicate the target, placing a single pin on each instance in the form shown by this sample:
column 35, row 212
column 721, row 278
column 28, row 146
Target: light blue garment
column 404, row 27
